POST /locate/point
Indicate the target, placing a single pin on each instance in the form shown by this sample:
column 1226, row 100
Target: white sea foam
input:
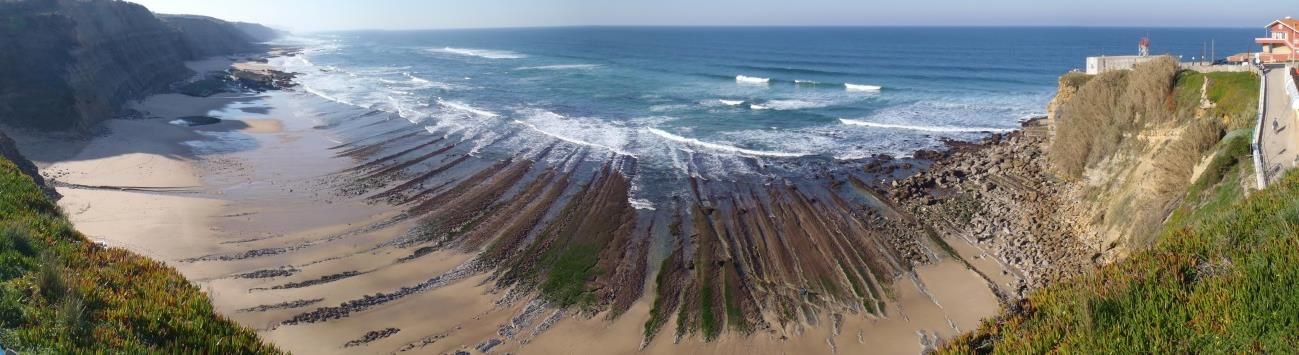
column 483, row 53
column 641, row 204
column 463, row 107
column 751, row 80
column 417, row 83
column 325, row 96
column 942, row 129
column 405, row 110
column 758, row 107
column 786, row 105
column 864, row 88
column 415, row 79
column 719, row 147
column 731, row 102
column 668, row 107
column 561, row 67
column 805, row 82
column 580, row 131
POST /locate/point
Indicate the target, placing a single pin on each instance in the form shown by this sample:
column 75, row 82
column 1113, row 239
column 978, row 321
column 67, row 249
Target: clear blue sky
column 318, row 15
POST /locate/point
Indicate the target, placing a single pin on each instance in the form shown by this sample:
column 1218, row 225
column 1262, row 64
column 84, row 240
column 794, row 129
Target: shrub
column 74, row 317
column 1107, row 110
column 1147, row 97
column 1081, row 120
column 1180, row 159
column 50, row 279
column 1076, row 79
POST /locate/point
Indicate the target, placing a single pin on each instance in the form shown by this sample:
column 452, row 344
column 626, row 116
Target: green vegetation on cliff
column 1223, row 282
column 61, row 293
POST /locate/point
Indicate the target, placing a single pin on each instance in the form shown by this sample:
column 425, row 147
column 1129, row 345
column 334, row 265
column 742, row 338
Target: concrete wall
column 1097, row 65
column 1220, row 68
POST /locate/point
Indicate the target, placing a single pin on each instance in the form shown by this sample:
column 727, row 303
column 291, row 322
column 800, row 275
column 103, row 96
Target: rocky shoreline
column 1000, row 195
column 252, row 75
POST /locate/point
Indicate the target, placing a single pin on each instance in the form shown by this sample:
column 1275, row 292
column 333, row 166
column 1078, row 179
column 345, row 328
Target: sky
column 336, row 15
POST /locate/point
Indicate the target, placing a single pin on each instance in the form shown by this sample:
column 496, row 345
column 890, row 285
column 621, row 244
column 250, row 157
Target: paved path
column 1280, row 141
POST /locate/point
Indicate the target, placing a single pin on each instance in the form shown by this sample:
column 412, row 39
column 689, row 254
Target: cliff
column 204, row 36
column 258, row 32
column 68, row 64
column 9, row 151
column 1152, row 169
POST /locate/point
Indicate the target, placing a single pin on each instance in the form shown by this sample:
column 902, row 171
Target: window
column 1278, row 35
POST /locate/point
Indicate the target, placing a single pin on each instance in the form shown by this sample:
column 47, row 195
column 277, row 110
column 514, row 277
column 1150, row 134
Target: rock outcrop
column 68, row 64
column 9, row 151
column 1002, row 196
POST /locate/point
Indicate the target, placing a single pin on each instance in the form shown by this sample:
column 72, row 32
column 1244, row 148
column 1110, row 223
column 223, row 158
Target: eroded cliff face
column 9, row 151
column 1068, row 87
column 68, row 64
column 204, row 36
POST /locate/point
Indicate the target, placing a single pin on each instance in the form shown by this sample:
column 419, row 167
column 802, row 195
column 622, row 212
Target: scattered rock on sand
column 372, row 336
column 191, row 121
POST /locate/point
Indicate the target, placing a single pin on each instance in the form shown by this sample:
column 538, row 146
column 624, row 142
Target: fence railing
column 1290, row 88
column 1260, row 167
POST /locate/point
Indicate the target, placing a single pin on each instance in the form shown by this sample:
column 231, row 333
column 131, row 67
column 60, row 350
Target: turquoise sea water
column 670, row 95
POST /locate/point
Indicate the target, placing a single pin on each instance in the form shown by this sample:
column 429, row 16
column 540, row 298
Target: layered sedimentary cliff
column 206, row 36
column 67, row 64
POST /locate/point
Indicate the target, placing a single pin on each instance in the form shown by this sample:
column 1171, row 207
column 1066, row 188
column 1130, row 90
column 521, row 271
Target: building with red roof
column 1281, row 44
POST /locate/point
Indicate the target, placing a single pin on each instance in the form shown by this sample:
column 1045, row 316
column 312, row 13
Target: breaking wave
column 864, row 88
column 751, row 80
column 786, row 105
column 720, row 147
column 482, row 53
column 580, row 131
column 465, row 108
column 942, row 129
column 561, row 67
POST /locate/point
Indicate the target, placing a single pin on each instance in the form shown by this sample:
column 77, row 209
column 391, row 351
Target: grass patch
column 658, row 315
column 1235, row 96
column 852, row 280
column 734, row 315
column 59, row 293
column 708, row 321
column 1219, row 186
column 1187, row 92
column 570, row 269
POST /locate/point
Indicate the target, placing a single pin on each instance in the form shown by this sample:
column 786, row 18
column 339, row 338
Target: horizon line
column 769, row 26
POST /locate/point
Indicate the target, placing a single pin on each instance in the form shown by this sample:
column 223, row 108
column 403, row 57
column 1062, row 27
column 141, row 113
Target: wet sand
column 254, row 210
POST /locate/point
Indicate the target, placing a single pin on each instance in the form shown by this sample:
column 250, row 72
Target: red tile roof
column 1290, row 21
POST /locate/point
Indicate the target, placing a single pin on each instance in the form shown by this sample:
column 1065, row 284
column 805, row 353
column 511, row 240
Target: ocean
column 717, row 102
